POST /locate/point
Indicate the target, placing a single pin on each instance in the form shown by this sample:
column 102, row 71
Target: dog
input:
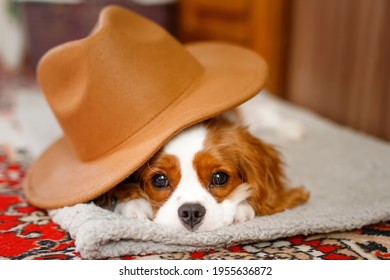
column 210, row 175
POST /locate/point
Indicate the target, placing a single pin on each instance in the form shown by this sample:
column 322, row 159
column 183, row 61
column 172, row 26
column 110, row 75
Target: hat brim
column 232, row 75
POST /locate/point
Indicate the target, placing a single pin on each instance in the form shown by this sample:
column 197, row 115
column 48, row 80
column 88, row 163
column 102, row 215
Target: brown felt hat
column 121, row 93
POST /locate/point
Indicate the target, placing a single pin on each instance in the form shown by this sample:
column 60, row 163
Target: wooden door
column 339, row 61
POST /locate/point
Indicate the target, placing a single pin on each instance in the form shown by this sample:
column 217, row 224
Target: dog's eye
column 160, row 181
column 219, row 179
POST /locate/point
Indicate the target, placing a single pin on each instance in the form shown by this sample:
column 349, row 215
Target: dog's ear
column 126, row 190
column 106, row 200
column 262, row 168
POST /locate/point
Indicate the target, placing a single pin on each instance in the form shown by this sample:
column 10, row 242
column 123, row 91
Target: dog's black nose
column 191, row 215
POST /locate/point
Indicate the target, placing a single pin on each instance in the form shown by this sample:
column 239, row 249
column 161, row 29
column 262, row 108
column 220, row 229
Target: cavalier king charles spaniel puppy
column 210, row 175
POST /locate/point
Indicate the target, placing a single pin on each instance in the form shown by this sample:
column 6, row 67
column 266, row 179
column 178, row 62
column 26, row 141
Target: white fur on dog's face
column 190, row 190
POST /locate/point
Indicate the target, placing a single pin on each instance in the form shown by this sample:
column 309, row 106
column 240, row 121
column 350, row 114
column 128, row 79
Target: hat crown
column 103, row 89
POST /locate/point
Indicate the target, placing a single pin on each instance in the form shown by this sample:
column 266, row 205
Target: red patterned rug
column 27, row 232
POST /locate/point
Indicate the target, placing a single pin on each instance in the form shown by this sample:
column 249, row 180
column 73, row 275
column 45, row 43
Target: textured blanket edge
column 100, row 233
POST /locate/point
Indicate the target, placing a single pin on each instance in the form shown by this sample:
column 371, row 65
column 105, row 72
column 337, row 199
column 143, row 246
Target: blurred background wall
column 331, row 56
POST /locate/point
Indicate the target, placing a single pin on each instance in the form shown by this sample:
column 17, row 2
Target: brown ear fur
column 259, row 164
column 263, row 169
column 124, row 191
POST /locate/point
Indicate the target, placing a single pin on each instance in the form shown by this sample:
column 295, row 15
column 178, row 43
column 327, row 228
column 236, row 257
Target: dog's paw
column 237, row 213
column 135, row 209
column 244, row 213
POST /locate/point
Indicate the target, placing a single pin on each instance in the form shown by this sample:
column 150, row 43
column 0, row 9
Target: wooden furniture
column 330, row 56
column 259, row 24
